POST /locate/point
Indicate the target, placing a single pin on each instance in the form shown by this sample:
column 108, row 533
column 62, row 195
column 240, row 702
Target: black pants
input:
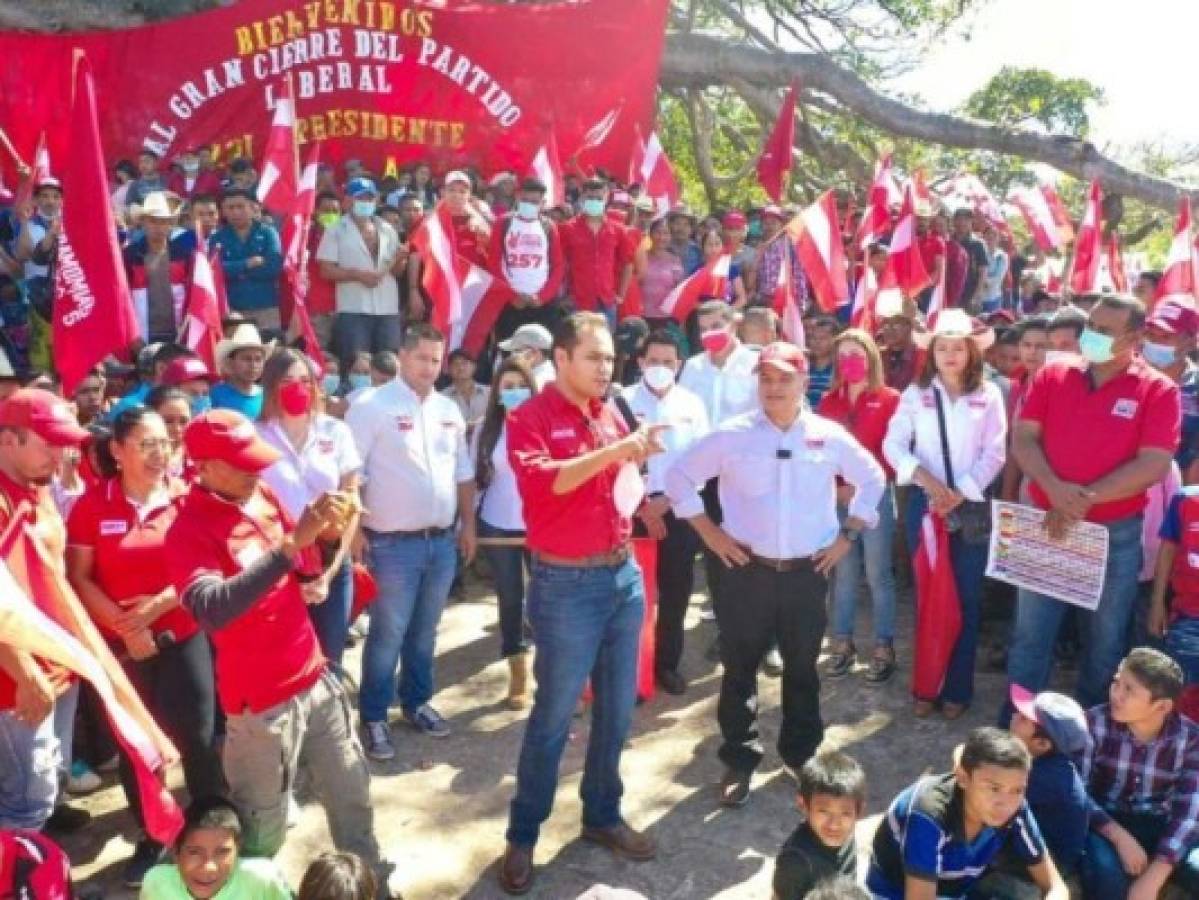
column 755, row 607
column 177, row 687
column 714, row 569
column 676, row 580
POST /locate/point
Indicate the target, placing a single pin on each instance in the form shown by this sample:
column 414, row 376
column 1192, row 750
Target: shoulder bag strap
column 944, row 440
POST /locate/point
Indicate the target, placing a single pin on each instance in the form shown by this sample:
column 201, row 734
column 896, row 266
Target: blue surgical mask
column 593, row 207
column 527, row 210
column 200, row 405
column 1158, row 355
column 359, row 380
column 364, row 209
column 514, row 397
column 1095, row 347
column 330, row 384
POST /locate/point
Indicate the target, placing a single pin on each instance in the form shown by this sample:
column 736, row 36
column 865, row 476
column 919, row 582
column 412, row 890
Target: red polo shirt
column 592, row 259
column 129, row 555
column 867, row 419
column 269, row 653
column 1087, row 431
column 42, row 514
column 549, row 427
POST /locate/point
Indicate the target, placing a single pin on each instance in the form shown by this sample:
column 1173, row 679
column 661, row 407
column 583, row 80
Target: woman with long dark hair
column 116, row 560
column 501, row 518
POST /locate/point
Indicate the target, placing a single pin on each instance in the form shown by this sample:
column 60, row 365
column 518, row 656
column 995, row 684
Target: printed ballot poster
column 1022, row 553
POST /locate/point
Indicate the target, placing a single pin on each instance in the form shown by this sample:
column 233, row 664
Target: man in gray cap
column 532, row 343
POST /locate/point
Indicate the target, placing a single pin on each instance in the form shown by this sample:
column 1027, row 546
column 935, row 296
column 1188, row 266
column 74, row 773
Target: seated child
column 338, row 876
column 207, row 861
column 941, row 833
column 1143, row 779
column 1178, row 569
column 832, row 792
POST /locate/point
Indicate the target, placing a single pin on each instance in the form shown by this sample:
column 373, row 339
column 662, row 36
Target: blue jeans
column 414, row 576
column 508, row 567
column 1105, row 631
column 874, row 552
column 354, row 333
column 1182, row 643
column 969, row 564
column 34, row 763
column 1103, row 876
column 586, row 622
column 331, row 619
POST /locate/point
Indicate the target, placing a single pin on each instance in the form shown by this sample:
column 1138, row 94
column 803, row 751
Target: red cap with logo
column 228, row 436
column 733, row 219
column 183, row 369
column 1174, row 317
column 43, row 413
column 783, row 356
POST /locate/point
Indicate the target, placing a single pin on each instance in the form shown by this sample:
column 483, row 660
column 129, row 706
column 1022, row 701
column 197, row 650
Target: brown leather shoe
column 623, row 841
column 516, row 869
column 734, row 788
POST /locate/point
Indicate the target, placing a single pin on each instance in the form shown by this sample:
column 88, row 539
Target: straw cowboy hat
column 955, row 323
column 157, row 205
column 245, row 336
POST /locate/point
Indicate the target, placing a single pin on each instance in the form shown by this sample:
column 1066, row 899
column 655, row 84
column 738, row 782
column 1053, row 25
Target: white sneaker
column 82, row 779
column 362, row 625
column 378, row 741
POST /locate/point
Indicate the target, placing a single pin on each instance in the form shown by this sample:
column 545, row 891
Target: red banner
column 385, row 82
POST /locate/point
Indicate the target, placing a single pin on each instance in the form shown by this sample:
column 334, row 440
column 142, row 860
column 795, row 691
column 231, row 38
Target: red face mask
column 853, row 368
column 296, row 398
column 716, row 341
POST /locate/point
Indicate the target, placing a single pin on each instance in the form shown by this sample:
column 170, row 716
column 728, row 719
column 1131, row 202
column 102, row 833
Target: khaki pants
column 263, row 751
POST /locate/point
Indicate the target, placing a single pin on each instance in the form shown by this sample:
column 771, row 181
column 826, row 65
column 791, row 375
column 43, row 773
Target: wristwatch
column 851, row 534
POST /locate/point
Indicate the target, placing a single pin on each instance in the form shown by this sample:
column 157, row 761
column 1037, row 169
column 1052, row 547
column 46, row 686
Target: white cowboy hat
column 245, row 337
column 157, row 205
column 955, row 323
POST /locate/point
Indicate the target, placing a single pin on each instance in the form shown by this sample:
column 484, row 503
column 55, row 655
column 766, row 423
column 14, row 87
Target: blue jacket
column 256, row 288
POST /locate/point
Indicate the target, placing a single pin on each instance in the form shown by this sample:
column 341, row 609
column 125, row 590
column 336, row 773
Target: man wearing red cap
column 1169, row 339
column 777, row 469
column 595, row 251
column 776, row 251
column 237, row 566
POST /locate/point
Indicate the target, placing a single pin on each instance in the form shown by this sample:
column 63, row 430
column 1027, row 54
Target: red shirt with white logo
column 865, row 419
column 269, row 653
column 585, row 521
column 129, row 550
column 592, row 259
column 1088, row 431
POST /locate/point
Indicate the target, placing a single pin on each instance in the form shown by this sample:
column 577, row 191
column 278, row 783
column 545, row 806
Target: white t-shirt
column 526, row 255
column 499, row 505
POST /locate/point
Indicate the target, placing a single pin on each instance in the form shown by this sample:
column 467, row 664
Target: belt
column 797, row 564
column 595, row 561
column 418, row 533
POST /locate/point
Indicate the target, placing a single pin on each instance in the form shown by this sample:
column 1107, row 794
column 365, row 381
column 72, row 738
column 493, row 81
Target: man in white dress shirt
column 777, row 469
column 418, row 479
column 657, row 400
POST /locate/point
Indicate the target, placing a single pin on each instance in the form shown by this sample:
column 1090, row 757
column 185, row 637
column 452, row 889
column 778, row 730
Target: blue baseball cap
column 1060, row 717
column 361, row 187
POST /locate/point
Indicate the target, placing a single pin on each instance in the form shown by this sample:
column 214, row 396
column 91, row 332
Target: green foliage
column 1035, row 97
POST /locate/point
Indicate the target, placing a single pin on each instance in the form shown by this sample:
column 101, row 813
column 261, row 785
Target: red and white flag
column 546, row 167
column 786, row 305
column 936, row 302
column 967, row 189
column 710, row 280
column 595, row 137
column 201, row 329
column 1178, row 277
column 295, row 255
column 938, row 611
column 38, row 173
column 1065, row 228
column 921, row 193
column 69, row 639
column 1084, row 270
column 650, row 167
column 905, row 263
column 278, row 181
column 817, row 235
column 455, row 285
column 865, row 299
column 777, row 152
column 1038, row 216
column 1114, row 263
column 876, row 220
column 93, row 310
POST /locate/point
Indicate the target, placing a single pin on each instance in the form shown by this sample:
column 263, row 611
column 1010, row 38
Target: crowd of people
column 296, row 485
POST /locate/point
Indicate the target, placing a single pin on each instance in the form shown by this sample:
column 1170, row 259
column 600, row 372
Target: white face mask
column 1053, row 356
column 658, row 378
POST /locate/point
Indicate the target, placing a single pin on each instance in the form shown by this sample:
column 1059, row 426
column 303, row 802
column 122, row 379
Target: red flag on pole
column 38, row 174
column 876, row 220
column 546, row 167
column 817, row 235
column 93, row 311
column 1084, row 271
column 711, row 280
column 295, row 256
column 938, row 610
column 1178, row 276
column 865, row 299
column 1065, row 228
column 456, row 286
column 278, row 181
column 786, row 306
column 201, row 329
column 650, row 167
column 1115, row 264
column 1038, row 216
column 775, row 161
column 905, row 263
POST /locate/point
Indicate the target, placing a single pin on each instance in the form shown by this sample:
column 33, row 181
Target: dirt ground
column 441, row 806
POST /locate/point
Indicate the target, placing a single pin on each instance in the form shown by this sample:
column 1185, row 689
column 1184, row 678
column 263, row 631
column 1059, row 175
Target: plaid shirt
column 1159, row 778
column 770, row 261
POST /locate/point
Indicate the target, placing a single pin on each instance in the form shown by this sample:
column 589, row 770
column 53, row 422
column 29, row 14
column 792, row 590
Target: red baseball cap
column 782, row 355
column 183, row 369
column 43, row 413
column 733, row 219
column 227, row 435
column 1174, row 316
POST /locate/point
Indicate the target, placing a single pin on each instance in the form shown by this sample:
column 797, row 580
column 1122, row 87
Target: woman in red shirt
column 859, row 400
column 116, row 560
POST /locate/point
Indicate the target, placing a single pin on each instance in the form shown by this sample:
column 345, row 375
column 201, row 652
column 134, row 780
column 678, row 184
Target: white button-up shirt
column 975, row 424
column 303, row 475
column 343, row 244
column 678, row 408
column 727, row 390
column 414, row 456
column 778, row 489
